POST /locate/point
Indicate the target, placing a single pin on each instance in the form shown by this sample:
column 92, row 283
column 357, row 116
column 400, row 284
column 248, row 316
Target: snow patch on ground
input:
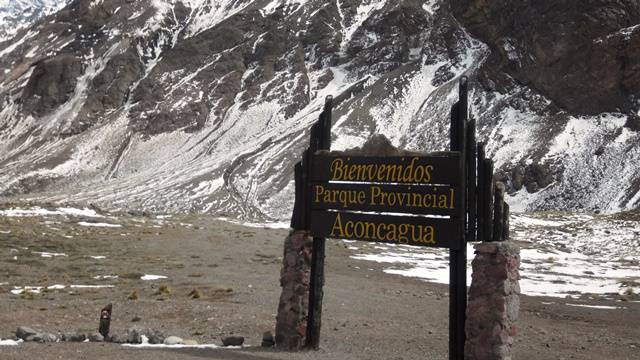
column 17, row 290
column 98, row 224
column 45, row 254
column 562, row 255
column 38, row 211
column 146, row 345
column 178, row 346
column 149, row 277
column 264, row 225
column 90, row 286
column 105, row 277
column 604, row 307
column 9, row 342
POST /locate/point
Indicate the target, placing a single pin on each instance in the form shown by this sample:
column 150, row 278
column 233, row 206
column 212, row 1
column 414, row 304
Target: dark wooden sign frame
column 346, row 202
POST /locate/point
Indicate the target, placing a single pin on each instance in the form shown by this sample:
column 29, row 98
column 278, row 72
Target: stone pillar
column 291, row 322
column 494, row 302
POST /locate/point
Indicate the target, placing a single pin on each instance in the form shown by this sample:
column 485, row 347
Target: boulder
column 135, row 335
column 233, row 341
column 116, row 338
column 43, row 338
column 173, row 340
column 267, row 339
column 23, row 332
column 95, row 337
column 74, row 336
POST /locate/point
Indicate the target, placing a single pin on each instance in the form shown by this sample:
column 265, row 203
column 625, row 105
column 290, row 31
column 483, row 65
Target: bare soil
column 367, row 314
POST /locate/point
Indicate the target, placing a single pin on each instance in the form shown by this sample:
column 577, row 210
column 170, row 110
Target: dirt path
column 367, row 314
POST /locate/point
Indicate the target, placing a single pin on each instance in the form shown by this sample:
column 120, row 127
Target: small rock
column 23, row 332
column 267, row 339
column 74, row 336
column 116, row 339
column 190, row 342
column 43, row 338
column 233, row 341
column 173, row 340
column 155, row 337
column 95, row 337
column 135, row 334
column 136, row 319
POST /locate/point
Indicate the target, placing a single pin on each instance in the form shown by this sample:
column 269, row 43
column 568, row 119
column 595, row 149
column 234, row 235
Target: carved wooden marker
column 105, row 320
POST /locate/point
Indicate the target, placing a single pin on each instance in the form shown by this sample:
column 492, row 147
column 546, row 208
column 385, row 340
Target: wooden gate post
column 458, row 258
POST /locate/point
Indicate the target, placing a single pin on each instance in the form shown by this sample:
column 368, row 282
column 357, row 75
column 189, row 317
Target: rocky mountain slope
column 19, row 14
column 203, row 105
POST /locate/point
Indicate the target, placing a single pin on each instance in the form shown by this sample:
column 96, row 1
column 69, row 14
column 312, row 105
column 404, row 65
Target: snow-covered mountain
column 19, row 14
column 205, row 105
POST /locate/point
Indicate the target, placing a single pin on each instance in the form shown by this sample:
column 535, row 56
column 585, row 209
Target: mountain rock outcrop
column 582, row 55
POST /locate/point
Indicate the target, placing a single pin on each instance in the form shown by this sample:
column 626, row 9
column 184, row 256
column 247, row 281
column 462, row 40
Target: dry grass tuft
column 164, row 290
column 28, row 294
column 195, row 293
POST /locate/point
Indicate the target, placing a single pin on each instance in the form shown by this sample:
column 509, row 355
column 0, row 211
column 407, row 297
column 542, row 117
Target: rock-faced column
column 494, row 302
column 291, row 323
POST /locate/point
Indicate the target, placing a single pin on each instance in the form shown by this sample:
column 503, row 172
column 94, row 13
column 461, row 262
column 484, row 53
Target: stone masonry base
column 493, row 304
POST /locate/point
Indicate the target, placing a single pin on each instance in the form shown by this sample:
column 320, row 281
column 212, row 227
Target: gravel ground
column 368, row 314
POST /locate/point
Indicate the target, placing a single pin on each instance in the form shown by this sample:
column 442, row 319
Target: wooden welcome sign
column 442, row 199
column 366, row 198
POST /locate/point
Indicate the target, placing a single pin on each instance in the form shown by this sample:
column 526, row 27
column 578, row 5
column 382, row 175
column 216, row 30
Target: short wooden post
column 306, row 185
column 105, row 321
column 487, row 204
column 498, row 212
column 482, row 216
column 505, row 222
column 325, row 123
column 472, row 195
column 297, row 218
